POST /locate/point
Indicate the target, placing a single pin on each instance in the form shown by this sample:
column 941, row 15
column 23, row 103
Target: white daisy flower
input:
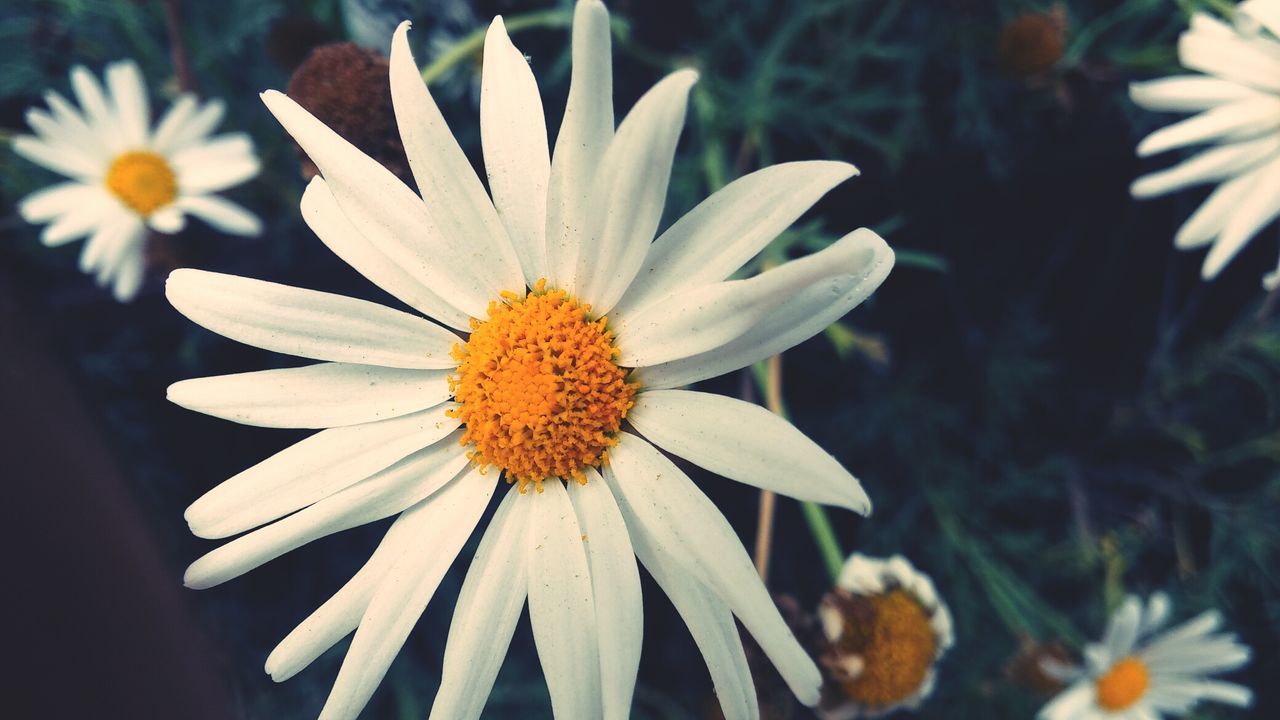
column 532, row 382
column 886, row 629
column 1137, row 674
column 126, row 176
column 1238, row 101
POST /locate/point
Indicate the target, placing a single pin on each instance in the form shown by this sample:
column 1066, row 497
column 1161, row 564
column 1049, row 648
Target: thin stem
column 768, row 499
column 472, row 44
column 181, row 67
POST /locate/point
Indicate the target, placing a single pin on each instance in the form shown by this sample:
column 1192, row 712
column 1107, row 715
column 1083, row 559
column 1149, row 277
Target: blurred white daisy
column 1137, row 674
column 1238, row 101
column 537, row 391
column 126, row 176
column 886, row 629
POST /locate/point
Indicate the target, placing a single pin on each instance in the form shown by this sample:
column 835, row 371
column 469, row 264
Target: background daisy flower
column 1138, row 673
column 128, row 177
column 578, row 321
column 886, row 629
column 1237, row 98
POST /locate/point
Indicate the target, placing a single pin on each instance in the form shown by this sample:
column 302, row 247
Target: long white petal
column 67, row 137
column 441, row 525
column 1254, row 211
column 659, row 500
column 340, row 614
column 130, row 271
column 455, row 198
column 196, row 128
column 727, row 229
column 307, row 323
column 1188, row 93
column 222, row 214
column 313, row 469
column 1208, row 220
column 173, row 120
column 129, row 98
column 392, row 217
column 584, row 134
column 378, row 496
column 48, row 203
column 75, row 125
column 1122, row 629
column 484, row 619
column 711, row 623
column 63, row 160
column 792, row 320
column 747, row 443
column 93, row 210
column 1252, row 16
column 1231, row 58
column 615, row 584
column 711, row 316
column 321, row 212
column 561, row 608
column 315, row 396
column 1212, row 165
column 1253, row 117
column 97, row 109
column 629, row 191
column 513, row 131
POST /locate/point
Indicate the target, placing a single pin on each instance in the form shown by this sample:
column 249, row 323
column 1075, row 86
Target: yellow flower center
column 892, row 636
column 538, row 388
column 142, row 180
column 1123, row 685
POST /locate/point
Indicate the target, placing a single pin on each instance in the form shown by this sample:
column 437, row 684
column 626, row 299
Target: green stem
column 471, row 44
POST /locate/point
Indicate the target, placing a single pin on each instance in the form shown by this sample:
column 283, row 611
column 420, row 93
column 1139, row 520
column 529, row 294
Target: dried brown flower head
column 1032, row 43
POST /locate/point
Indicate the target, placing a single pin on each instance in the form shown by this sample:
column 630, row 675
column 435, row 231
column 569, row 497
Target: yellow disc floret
column 892, row 636
column 143, row 181
column 538, row 390
column 1123, row 685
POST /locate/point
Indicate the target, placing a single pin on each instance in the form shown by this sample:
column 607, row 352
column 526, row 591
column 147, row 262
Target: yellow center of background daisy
column 892, row 634
column 143, row 181
column 538, row 391
column 1123, row 684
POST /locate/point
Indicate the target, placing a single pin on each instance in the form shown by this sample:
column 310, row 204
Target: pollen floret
column 538, row 388
column 143, row 181
column 885, row 629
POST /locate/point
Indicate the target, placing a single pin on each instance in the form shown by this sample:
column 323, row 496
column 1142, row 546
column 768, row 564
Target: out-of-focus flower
column 417, row 413
column 1135, row 673
column 1032, row 43
column 886, row 629
column 1238, row 101
column 126, row 176
column 345, row 87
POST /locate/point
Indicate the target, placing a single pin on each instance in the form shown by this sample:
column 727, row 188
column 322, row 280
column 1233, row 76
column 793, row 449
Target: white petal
column 615, row 584
column 196, row 128
column 1231, row 58
column 63, row 160
column 168, row 220
column 129, row 98
column 67, row 137
column 380, row 495
column 313, row 469
column 747, row 443
column 1252, row 117
column 792, row 320
column 307, row 323
column 93, row 210
column 330, row 224
column 455, row 198
column 1070, row 704
column 227, row 146
column 1212, row 165
column 174, row 120
column 629, row 191
column 584, row 135
column 513, row 132
column 110, row 243
column 710, row 316
column 75, row 126
column 222, row 214
column 659, row 500
column 1208, row 220
column 97, row 109
column 129, row 272
column 726, row 230
column 484, row 619
column 315, row 396
column 1189, row 93
column 441, row 525
column 1252, row 16
column 1254, row 211
column 205, row 169
column 712, row 626
column 394, row 219
column 1122, row 629
column 1156, row 613
column 340, row 614
column 48, row 203
column 561, row 608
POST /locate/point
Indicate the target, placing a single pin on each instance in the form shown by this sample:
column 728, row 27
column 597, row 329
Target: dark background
column 1047, row 406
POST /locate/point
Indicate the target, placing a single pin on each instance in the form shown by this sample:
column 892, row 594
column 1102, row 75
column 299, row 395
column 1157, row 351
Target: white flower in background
column 126, row 176
column 1137, row 674
column 886, row 629
column 1238, row 101
column 537, row 392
